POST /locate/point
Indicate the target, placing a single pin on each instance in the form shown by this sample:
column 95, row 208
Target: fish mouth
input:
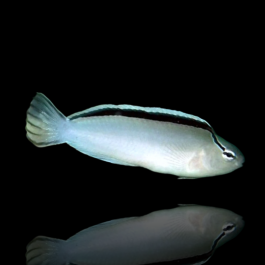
column 240, row 221
column 241, row 165
column 240, row 162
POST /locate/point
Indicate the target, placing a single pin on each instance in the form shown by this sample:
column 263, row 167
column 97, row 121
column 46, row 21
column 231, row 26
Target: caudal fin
column 45, row 123
column 46, row 251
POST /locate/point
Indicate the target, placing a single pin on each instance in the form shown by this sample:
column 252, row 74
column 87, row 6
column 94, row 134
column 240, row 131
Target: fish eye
column 228, row 155
column 229, row 228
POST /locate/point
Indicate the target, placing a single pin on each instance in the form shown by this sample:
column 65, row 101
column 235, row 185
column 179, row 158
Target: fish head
column 216, row 225
column 223, row 225
column 222, row 161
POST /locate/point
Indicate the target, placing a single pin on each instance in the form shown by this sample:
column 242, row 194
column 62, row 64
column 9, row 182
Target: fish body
column 187, row 234
column 160, row 140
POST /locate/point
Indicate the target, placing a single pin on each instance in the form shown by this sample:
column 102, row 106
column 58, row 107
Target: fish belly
column 159, row 146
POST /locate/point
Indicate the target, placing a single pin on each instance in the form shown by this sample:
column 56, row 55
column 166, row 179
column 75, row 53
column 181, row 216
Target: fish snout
column 240, row 161
column 240, row 223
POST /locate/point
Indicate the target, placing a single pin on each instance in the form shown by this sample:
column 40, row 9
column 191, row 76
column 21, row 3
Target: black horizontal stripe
column 156, row 116
column 144, row 115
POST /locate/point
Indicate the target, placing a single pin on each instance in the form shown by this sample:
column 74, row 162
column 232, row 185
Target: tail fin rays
column 45, row 123
column 46, row 251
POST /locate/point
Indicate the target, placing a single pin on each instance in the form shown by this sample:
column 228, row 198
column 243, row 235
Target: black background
column 63, row 191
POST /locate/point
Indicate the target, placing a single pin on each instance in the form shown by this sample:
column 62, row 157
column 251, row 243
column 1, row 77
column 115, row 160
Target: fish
column 188, row 234
column 161, row 140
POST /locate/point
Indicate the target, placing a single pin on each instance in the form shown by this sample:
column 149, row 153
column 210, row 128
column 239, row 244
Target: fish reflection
column 188, row 234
